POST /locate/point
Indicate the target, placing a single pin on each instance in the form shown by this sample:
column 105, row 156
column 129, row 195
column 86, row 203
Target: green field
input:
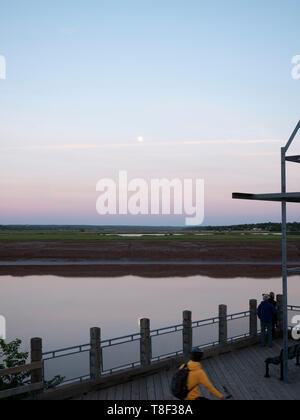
column 92, row 236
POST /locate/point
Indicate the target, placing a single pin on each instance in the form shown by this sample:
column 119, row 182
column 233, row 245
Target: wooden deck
column 242, row 372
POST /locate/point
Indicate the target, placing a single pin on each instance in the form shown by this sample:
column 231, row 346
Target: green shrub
column 10, row 357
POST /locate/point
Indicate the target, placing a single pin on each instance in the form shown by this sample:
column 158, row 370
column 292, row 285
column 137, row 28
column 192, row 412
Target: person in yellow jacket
column 197, row 377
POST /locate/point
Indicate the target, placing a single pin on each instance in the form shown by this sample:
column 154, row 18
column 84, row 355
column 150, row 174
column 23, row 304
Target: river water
column 62, row 310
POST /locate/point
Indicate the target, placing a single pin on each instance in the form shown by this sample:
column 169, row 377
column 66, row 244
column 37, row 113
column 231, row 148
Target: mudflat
column 152, row 258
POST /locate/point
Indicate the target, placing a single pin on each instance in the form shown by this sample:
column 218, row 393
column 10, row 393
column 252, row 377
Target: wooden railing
column 147, row 363
column 32, row 387
column 35, row 367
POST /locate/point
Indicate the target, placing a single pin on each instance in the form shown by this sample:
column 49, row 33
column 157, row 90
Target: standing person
column 265, row 313
column 275, row 318
column 197, row 377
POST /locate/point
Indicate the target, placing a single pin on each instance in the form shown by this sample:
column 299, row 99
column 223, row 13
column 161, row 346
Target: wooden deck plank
column 248, row 370
column 248, row 373
column 231, row 377
column 242, row 372
column 111, row 392
column 169, row 374
column 213, row 375
column 272, row 388
column 165, row 386
column 135, row 390
column 102, row 395
column 252, row 379
column 225, row 376
column 273, row 384
column 127, row 391
column 143, row 389
column 158, row 387
column 259, row 355
column 232, row 380
column 216, row 376
column 150, row 388
column 207, row 366
column 91, row 397
column 256, row 360
column 293, row 389
column 119, row 392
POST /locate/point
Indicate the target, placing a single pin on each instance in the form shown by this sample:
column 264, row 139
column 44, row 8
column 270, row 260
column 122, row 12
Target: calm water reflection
column 61, row 310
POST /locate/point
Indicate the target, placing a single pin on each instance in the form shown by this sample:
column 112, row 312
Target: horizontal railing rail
column 121, row 340
column 167, row 355
column 77, row 379
column 22, row 389
column 27, row 389
column 239, row 315
column 55, row 354
column 121, row 367
column 294, row 308
column 237, row 337
column 166, row 330
column 205, row 322
column 21, row 369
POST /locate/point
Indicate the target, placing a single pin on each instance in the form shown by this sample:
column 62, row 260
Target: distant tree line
column 267, row 227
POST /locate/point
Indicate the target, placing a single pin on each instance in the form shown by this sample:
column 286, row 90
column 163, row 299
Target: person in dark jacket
column 275, row 318
column 265, row 313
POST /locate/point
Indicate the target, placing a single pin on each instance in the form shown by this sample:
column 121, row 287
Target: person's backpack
column 179, row 386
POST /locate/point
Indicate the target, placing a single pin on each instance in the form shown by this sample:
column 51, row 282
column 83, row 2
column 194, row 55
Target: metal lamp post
column 284, row 198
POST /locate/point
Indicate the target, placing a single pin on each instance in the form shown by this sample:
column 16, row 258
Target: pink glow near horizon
column 58, row 185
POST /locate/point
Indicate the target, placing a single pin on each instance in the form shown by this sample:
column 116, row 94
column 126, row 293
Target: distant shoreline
column 144, row 270
column 80, row 263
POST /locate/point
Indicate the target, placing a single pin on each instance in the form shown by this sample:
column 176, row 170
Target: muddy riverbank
column 146, row 258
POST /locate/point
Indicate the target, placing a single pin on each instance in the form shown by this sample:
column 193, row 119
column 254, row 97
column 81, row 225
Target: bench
column 293, row 353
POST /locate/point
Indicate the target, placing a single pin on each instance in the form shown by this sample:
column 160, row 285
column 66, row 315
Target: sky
column 207, row 86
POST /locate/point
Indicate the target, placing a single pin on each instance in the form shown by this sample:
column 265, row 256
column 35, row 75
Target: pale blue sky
column 105, row 72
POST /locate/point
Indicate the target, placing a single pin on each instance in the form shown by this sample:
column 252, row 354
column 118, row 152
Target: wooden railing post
column 145, row 342
column 95, row 354
column 187, row 333
column 279, row 299
column 36, row 352
column 253, row 317
column 223, row 324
